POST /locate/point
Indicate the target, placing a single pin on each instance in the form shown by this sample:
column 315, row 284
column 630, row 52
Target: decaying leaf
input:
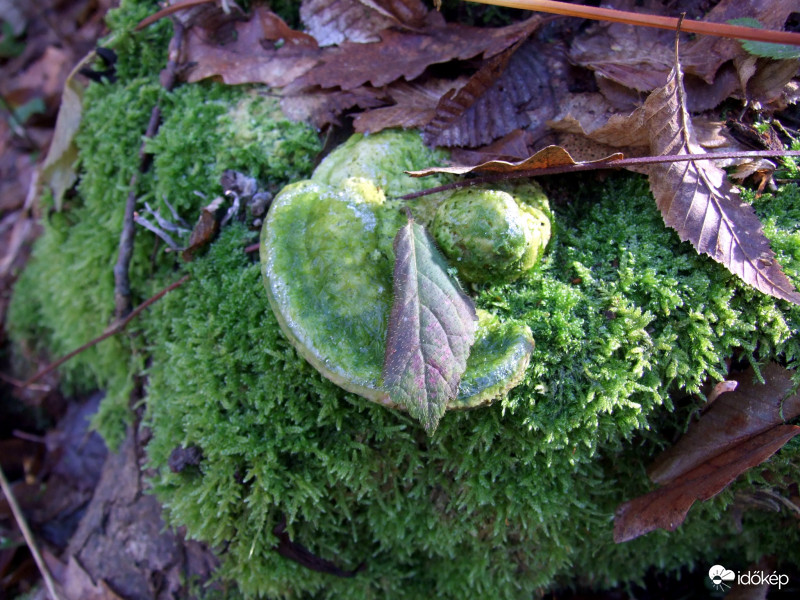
column 255, row 55
column 325, row 106
column 551, row 156
column 407, row 54
column 740, row 430
column 696, row 199
column 332, row 22
column 58, row 169
column 431, row 329
column 205, row 230
column 414, row 105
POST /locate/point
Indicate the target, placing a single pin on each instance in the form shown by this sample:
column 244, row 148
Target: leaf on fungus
column 739, row 431
column 431, row 329
column 332, row 22
column 546, row 158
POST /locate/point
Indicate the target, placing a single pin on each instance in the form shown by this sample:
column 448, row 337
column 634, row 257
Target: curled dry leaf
column 546, row 158
column 431, row 329
column 739, row 431
column 332, row 22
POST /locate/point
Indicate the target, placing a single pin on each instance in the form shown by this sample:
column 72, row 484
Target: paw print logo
column 719, row 575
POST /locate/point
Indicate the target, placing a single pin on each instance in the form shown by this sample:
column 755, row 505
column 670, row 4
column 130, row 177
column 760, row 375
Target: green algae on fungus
column 327, row 264
column 492, row 235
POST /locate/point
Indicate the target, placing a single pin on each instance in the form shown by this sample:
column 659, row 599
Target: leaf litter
column 740, row 430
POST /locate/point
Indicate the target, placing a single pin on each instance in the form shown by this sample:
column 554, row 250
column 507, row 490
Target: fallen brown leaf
column 322, row 107
column 696, row 199
column 407, row 54
column 253, row 56
column 332, row 22
column 739, row 431
column 414, row 105
column 518, row 88
column 58, row 169
column 546, row 158
column 75, row 583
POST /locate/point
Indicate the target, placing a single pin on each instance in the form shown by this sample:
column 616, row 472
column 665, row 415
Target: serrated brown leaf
column 551, row 156
column 640, row 58
column 431, row 329
column 332, row 22
column 696, row 199
column 511, row 147
column 740, row 430
column 402, row 54
column 519, row 88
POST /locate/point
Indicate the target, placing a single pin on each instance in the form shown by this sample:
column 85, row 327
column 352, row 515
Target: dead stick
column 611, row 164
column 112, row 330
column 28, row 535
column 122, row 286
column 631, row 18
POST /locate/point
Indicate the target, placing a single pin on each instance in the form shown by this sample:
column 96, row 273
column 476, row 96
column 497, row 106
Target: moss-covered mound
column 503, row 500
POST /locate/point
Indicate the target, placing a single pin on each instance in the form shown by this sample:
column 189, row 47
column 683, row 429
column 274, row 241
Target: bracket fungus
column 327, row 259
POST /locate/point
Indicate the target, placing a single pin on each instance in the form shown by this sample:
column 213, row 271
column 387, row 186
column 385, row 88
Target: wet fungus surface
column 327, row 260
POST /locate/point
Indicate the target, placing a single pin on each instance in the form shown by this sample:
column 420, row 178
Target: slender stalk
column 114, row 329
column 28, row 535
column 611, row 164
column 659, row 22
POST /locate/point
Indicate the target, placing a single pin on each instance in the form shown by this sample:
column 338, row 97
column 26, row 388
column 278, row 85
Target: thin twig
column 122, row 287
column 659, row 22
column 26, row 533
column 115, row 328
column 611, row 164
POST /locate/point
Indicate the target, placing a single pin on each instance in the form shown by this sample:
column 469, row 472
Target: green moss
column 66, row 295
column 502, row 501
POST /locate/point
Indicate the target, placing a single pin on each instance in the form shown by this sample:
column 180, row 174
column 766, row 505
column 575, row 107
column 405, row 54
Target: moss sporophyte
column 327, row 259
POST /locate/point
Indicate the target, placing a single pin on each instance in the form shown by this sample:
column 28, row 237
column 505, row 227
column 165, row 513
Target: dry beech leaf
column 205, row 230
column 407, row 54
column 696, row 199
column 414, row 105
column 324, row 106
column 431, row 329
column 740, row 430
column 252, row 56
column 546, row 158
column 332, row 22
column 516, row 89
column 58, row 169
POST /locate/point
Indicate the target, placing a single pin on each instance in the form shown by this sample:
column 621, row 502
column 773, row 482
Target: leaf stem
column 28, row 535
column 659, row 22
column 611, row 164
column 112, row 330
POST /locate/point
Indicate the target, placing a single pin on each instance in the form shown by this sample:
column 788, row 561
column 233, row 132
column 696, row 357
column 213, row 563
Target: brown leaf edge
column 742, row 429
column 546, row 158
